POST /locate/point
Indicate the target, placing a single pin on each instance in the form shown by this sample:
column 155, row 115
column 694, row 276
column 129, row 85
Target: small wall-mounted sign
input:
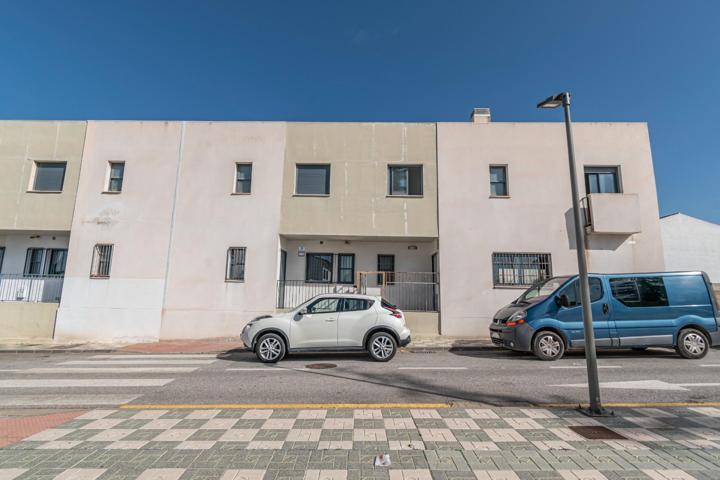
column 301, row 251
column 412, row 247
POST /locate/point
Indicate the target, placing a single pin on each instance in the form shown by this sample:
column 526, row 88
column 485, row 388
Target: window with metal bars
column 520, row 269
column 235, row 269
column 102, row 258
column 243, row 177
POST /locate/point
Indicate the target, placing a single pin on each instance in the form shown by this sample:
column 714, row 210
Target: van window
column 640, row 292
column 573, row 291
column 687, row 290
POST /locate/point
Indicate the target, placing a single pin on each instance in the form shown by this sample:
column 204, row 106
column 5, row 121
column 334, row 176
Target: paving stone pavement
column 340, row 444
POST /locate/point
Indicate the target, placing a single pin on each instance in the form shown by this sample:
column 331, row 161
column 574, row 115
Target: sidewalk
column 219, row 345
column 341, row 444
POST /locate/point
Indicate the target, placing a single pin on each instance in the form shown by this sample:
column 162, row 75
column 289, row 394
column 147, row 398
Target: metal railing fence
column 291, row 293
column 17, row 287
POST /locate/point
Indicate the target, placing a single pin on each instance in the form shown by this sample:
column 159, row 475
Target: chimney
column 480, row 115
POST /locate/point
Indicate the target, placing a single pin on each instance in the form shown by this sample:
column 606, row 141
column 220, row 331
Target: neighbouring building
column 691, row 244
column 191, row 229
column 39, row 169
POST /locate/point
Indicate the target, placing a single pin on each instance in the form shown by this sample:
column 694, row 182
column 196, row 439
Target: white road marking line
column 42, row 370
column 584, row 367
column 710, row 365
column 63, row 400
column 643, row 385
column 138, row 362
column 158, row 356
column 261, row 369
column 85, row 382
column 432, row 368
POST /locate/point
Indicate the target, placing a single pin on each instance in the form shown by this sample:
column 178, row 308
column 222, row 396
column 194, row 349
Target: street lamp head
column 555, row 101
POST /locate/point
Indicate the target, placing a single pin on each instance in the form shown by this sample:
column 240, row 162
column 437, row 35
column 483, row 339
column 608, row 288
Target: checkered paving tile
column 327, row 444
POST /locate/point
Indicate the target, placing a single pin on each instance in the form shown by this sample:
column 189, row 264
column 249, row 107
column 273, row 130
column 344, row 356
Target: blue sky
column 630, row 60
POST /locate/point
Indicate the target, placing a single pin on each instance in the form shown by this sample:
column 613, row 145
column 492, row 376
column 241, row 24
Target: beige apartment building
column 191, row 229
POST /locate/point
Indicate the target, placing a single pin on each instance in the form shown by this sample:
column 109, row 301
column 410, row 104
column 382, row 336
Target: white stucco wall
column 128, row 305
column 691, row 244
column 536, row 218
column 209, row 219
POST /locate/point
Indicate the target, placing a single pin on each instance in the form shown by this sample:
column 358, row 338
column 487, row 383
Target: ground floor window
column 520, row 269
column 2, row 255
column 235, row 269
column 386, row 263
column 346, row 267
column 34, row 261
column 102, row 258
column 55, row 260
column 319, row 267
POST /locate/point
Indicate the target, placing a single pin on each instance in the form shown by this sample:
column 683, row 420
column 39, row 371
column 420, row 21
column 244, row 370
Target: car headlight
column 517, row 318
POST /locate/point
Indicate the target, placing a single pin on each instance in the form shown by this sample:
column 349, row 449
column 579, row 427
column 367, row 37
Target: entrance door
column 318, row 327
column 572, row 316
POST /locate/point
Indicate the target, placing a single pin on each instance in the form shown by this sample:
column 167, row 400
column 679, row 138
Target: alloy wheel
column 270, row 349
column 382, row 347
column 694, row 343
column 549, row 346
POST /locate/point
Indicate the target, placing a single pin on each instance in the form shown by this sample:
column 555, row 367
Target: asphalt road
column 492, row 377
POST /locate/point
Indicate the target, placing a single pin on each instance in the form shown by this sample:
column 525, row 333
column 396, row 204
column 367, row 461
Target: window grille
column 520, row 269
column 102, row 258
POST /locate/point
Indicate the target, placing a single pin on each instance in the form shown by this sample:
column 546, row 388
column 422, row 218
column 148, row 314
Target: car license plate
column 495, row 335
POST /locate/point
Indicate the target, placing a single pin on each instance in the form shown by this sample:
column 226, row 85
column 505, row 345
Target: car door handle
column 606, row 308
column 330, row 320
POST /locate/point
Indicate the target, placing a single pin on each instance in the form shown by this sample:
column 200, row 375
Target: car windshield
column 541, row 289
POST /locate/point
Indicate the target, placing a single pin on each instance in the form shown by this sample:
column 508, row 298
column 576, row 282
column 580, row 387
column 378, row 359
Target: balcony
column 410, row 291
column 612, row 213
column 30, row 288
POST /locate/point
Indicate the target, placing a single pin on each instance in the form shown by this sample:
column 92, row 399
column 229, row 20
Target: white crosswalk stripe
column 123, row 378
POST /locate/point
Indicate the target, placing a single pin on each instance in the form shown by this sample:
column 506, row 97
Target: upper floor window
column 116, row 172
column 312, row 180
column 498, row 181
column 34, row 261
column 101, row 260
column 49, row 176
column 243, row 177
column 235, row 268
column 602, row 180
column 405, row 180
column 520, row 269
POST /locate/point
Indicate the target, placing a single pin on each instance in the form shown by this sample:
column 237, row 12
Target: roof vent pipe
column 480, row 115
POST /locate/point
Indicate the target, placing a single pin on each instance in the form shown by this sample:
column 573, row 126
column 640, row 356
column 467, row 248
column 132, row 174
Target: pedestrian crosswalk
column 93, row 380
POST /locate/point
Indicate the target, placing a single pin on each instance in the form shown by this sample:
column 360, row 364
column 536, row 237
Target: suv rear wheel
column 548, row 346
column 692, row 344
column 270, row 348
column 382, row 347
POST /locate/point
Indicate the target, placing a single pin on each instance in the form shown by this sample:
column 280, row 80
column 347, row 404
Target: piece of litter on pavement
column 382, row 460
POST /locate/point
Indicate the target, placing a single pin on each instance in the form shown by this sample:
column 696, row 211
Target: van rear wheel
column 692, row 344
column 548, row 346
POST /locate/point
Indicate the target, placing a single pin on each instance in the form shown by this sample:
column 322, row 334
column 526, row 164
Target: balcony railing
column 30, row 288
column 411, row 291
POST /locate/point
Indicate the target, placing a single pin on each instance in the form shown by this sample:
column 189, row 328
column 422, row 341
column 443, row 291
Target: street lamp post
column 563, row 99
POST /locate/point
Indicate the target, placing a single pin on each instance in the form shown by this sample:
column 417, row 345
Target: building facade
column 691, row 244
column 191, row 229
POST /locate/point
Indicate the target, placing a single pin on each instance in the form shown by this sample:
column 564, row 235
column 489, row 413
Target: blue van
column 630, row 310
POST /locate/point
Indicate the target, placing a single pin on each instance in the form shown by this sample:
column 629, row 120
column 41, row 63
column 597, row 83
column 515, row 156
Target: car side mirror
column 562, row 301
column 302, row 312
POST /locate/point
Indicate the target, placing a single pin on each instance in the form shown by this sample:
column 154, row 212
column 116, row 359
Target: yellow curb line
column 183, row 406
column 634, row 405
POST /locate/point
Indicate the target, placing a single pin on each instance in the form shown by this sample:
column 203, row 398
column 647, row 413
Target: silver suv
column 333, row 322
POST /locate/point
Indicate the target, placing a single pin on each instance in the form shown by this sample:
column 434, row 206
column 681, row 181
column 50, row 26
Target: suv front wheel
column 382, row 347
column 270, row 348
